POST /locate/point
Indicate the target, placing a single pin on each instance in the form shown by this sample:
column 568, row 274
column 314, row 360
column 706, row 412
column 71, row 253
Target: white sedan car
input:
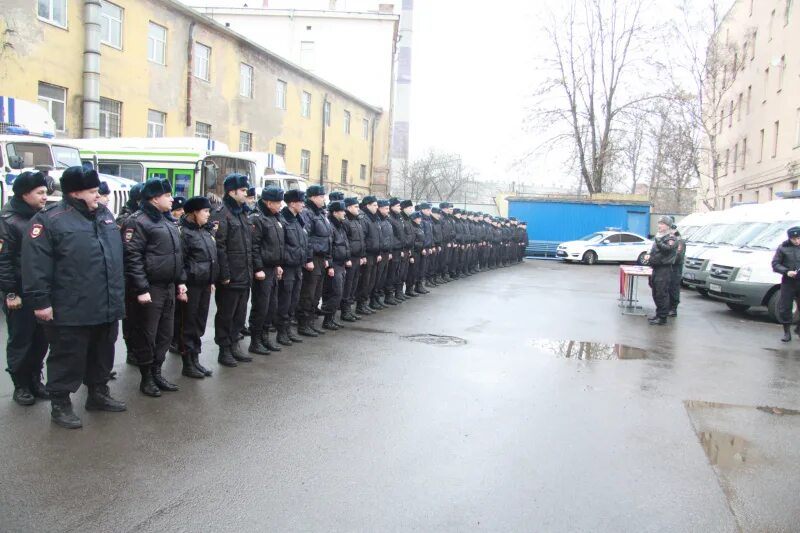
column 612, row 246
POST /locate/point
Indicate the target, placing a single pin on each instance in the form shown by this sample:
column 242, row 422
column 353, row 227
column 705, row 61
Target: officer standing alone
column 786, row 262
column 661, row 258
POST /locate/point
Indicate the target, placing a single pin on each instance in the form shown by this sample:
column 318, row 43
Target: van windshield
column 772, row 236
column 740, row 233
column 32, row 154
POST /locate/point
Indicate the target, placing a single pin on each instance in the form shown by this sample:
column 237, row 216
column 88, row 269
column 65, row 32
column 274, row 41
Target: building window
column 776, row 129
column 325, row 166
column 347, row 122
column 280, row 149
column 307, row 55
column 110, row 118
column 157, row 43
column 749, row 97
column 245, row 80
column 305, row 162
column 363, row 172
column 758, row 194
column 782, row 69
column 766, row 82
column 770, row 193
column 740, row 197
column 53, row 11
column 787, row 11
column 306, row 107
column 793, row 185
column 326, row 113
column 744, row 152
column 201, row 129
column 365, row 129
column 344, row 170
column 735, row 157
column 110, row 24
column 727, row 162
column 771, row 24
column 156, row 121
column 202, row 61
column 280, row 95
column 761, row 146
column 245, row 141
column 54, row 99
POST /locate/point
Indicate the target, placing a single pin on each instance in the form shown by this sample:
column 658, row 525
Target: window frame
column 365, row 129
column 50, row 100
column 305, row 104
column 52, row 21
column 249, row 136
column 345, row 170
column 776, row 130
column 197, row 128
column 196, row 61
column 151, row 39
column 280, row 152
column 108, row 114
column 346, row 117
column 325, row 162
column 151, row 125
column 326, row 114
column 250, row 87
column 119, row 21
column 281, row 88
column 305, row 163
column 362, row 172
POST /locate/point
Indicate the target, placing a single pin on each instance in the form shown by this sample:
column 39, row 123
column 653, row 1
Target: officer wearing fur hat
column 268, row 256
column 26, row 345
column 234, row 236
column 393, row 295
column 154, row 276
column 358, row 257
column 297, row 255
column 74, row 282
column 386, row 244
column 132, row 205
column 320, row 234
column 408, row 266
column 448, row 239
column 178, row 205
column 105, row 193
column 661, row 258
column 437, row 226
column 335, row 196
column 415, row 263
column 372, row 245
column 786, row 262
column 337, row 268
column 201, row 271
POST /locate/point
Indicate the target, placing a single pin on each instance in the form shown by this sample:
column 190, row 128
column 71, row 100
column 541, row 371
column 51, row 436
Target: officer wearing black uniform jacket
column 201, row 271
column 268, row 252
column 130, row 207
column 415, row 267
column 677, row 272
column 319, row 238
column 437, row 227
column 661, row 257
column 297, row 255
column 154, row 275
column 74, row 281
column 372, row 246
column 786, row 262
column 386, row 238
column 27, row 345
column 334, row 196
column 406, row 278
column 337, row 267
column 448, row 240
column 234, row 252
column 358, row 257
column 399, row 256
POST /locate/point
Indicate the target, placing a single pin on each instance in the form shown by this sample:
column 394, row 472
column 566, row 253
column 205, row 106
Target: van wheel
column 739, row 308
column 703, row 292
column 589, row 258
column 772, row 308
column 641, row 257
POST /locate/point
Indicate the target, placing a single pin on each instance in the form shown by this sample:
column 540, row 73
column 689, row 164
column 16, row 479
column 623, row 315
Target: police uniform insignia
column 108, row 221
column 1, row 245
column 36, row 230
column 216, row 225
column 128, row 235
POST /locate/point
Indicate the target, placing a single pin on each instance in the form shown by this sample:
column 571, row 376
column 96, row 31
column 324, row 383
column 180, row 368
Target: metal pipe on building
column 322, row 155
column 189, row 69
column 91, row 69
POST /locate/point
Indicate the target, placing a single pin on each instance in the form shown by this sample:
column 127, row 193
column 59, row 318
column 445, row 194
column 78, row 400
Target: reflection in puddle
column 586, row 351
column 724, row 450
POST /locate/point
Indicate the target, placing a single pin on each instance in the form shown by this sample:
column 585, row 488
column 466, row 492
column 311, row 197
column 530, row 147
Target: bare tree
column 595, row 59
column 436, row 176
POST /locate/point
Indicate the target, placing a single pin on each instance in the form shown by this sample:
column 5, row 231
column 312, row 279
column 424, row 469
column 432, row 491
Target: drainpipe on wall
column 91, row 69
column 372, row 156
column 322, row 156
column 190, row 67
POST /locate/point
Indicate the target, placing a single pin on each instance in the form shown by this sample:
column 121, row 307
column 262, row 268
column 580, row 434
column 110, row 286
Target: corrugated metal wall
column 566, row 221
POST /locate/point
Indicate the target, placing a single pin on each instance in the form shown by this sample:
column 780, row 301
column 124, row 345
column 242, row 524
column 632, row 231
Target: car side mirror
column 606, row 241
column 16, row 162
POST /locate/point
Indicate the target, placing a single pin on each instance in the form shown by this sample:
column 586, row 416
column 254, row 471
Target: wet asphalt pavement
column 689, row 427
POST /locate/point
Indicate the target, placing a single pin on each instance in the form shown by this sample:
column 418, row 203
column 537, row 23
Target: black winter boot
column 257, row 346
column 23, row 396
column 410, row 292
column 363, row 309
column 238, row 355
column 313, row 324
column 160, row 381
column 787, row 334
column 61, row 412
column 268, row 343
column 327, row 323
column 389, row 300
column 348, row 316
column 293, row 336
column 305, row 330
column 419, row 289
column 225, row 357
column 196, row 362
column 283, row 337
column 189, row 370
column 37, row 387
column 99, row 399
column 148, row 385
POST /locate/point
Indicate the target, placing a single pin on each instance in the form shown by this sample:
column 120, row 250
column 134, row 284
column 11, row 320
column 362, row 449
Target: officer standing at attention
column 268, row 251
column 372, row 246
column 319, row 238
column 27, row 345
column 201, row 270
column 74, row 282
column 677, row 272
column 786, row 262
column 394, row 285
column 105, row 194
column 234, row 252
column 386, row 238
column 337, row 267
column 154, row 275
column 178, row 205
column 358, row 257
column 407, row 275
column 661, row 258
column 296, row 256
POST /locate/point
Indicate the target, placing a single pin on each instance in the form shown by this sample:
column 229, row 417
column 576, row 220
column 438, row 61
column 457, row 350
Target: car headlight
column 744, row 274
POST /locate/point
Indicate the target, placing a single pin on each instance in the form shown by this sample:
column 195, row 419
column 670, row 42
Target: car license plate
column 713, row 287
column 688, row 275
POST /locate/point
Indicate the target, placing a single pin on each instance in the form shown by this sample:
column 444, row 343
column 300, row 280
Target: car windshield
column 772, row 236
column 706, row 234
column 688, row 231
column 32, row 153
column 66, row 156
column 747, row 234
column 733, row 231
column 592, row 237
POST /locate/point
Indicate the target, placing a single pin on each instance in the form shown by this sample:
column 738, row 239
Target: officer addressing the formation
column 786, row 262
column 27, row 346
column 661, row 258
column 75, row 281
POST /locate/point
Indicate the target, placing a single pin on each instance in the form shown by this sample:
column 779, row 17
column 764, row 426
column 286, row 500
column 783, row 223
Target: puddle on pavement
column 724, row 450
column 588, row 351
column 436, row 340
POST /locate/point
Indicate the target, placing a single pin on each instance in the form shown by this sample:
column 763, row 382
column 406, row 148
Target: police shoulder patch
column 128, row 234
column 1, row 245
column 36, row 230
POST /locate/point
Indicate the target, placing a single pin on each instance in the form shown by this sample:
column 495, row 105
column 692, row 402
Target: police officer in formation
column 661, row 258
column 158, row 263
column 786, row 262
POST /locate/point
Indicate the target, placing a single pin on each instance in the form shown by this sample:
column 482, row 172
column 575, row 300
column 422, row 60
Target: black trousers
column 311, row 291
column 675, row 287
column 413, row 269
column 79, row 354
column 27, row 344
column 790, row 293
column 455, row 259
column 334, row 289
column 263, row 302
column 393, row 272
column 231, row 314
column 660, row 282
column 151, row 326
column 381, row 270
column 288, row 295
column 366, row 281
column 191, row 319
column 350, row 284
column 402, row 271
